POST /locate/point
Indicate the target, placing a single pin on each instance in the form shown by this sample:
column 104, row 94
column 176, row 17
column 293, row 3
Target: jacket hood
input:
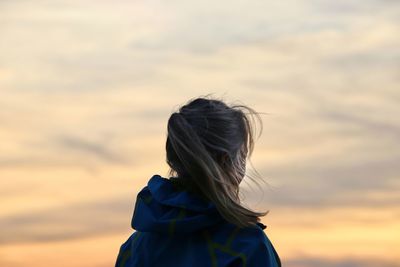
column 162, row 207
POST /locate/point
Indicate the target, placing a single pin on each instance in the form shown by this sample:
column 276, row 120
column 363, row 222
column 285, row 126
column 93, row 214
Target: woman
column 195, row 217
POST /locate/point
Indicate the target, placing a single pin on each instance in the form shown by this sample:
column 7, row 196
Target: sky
column 87, row 87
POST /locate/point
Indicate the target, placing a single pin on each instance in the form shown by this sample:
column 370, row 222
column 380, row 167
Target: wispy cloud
column 74, row 221
column 65, row 151
column 346, row 262
column 80, row 145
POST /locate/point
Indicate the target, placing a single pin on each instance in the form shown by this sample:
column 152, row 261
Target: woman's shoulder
column 249, row 245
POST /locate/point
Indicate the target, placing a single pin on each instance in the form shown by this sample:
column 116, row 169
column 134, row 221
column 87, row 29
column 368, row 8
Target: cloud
column 345, row 8
column 69, row 222
column 5, row 262
column 84, row 146
column 319, row 183
column 345, row 262
column 327, row 70
column 65, row 151
column 374, row 127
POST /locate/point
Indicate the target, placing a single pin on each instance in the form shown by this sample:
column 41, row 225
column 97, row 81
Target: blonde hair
column 207, row 147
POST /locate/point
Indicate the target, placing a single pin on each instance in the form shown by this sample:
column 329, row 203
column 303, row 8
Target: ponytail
column 206, row 146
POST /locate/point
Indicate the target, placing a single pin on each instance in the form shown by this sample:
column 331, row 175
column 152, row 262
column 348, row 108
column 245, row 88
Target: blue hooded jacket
column 175, row 228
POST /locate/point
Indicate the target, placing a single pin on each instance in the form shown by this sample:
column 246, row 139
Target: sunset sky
column 87, row 87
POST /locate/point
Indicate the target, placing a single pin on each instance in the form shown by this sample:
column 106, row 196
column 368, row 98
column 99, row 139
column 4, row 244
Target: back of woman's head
column 207, row 147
